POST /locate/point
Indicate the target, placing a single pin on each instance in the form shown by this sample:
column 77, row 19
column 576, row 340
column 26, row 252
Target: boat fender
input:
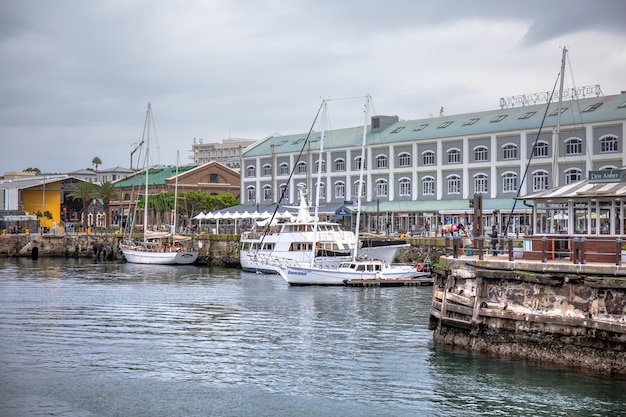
column 419, row 267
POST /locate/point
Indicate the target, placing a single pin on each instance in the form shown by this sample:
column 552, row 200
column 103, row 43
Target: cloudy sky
column 76, row 75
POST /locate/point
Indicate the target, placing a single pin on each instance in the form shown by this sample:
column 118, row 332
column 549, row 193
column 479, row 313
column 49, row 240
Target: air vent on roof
column 397, row 129
column 471, row 121
column 555, row 112
column 592, row 107
column 444, row 125
column 420, row 127
column 499, row 118
column 527, row 115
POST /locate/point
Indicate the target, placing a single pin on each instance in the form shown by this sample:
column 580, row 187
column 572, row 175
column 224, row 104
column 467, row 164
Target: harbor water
column 86, row 338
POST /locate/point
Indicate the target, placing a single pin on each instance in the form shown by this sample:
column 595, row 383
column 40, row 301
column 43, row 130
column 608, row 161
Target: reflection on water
column 85, row 338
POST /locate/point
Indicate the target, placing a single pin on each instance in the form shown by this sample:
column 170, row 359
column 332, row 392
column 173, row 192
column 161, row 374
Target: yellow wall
column 34, row 201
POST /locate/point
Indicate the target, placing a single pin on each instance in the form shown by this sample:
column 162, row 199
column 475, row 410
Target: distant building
column 102, row 175
column 227, row 153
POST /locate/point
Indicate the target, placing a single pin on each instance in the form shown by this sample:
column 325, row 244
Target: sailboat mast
column 145, row 209
column 319, row 180
column 360, row 187
column 557, row 129
column 174, row 220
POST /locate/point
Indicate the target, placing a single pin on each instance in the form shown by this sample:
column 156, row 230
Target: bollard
column 509, row 241
column 544, row 244
column 455, row 247
column 576, row 244
column 447, row 246
column 583, row 251
column 618, row 251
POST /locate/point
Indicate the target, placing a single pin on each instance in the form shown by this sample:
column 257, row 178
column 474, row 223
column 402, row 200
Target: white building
column 227, row 153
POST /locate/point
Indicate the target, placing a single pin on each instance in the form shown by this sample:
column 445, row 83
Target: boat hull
column 297, row 275
column 159, row 258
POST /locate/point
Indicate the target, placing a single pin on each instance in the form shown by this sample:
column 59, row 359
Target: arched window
column 251, row 191
column 381, row 161
column 363, row 189
column 454, row 184
column 357, row 163
column 609, row 144
column 404, row 159
column 509, row 182
column 317, row 166
column 541, row 149
column 428, row 186
column 283, row 191
column 404, row 187
column 284, row 168
column 428, row 158
column 340, row 165
column 481, row 154
column 301, row 167
column 573, row 175
column 251, row 171
column 340, row 189
column 381, row 188
column 573, row 146
column 481, row 184
column 267, row 193
column 454, row 156
column 540, row 180
column 509, row 151
column 267, row 170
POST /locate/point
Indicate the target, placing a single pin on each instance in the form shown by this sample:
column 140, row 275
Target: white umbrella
column 236, row 216
column 199, row 216
column 209, row 216
column 265, row 215
column 246, row 215
column 217, row 218
column 256, row 215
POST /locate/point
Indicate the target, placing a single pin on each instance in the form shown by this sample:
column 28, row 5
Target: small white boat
column 374, row 269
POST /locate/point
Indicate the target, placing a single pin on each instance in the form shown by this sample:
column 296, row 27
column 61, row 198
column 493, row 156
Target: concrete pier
column 556, row 312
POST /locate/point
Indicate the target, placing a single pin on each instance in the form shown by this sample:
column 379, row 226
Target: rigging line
column 344, row 98
column 532, row 153
column 293, row 170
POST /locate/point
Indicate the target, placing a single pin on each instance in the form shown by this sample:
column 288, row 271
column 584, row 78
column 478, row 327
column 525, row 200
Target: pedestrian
column 494, row 240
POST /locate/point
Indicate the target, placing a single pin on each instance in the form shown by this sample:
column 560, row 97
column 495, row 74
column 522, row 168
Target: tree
column 96, row 162
column 106, row 192
column 84, row 191
column 42, row 217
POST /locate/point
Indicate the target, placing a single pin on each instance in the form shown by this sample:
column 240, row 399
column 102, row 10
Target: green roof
column 156, row 176
column 442, row 206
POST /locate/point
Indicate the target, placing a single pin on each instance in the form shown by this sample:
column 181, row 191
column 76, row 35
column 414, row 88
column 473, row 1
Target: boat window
column 370, row 268
column 360, row 268
column 377, row 267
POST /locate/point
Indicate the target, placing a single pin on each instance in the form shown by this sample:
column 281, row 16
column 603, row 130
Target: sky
column 76, row 75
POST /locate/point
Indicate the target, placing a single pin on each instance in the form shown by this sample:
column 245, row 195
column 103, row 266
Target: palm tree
column 84, row 191
column 106, row 192
column 96, row 162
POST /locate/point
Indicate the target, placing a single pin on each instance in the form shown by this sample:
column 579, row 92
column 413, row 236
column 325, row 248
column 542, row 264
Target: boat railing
column 578, row 249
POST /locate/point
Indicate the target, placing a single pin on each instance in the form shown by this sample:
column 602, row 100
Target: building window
column 573, row 146
column 356, row 188
column 284, row 168
column 481, row 154
column 608, row 144
column 444, row 125
column 509, row 151
column 267, row 193
column 498, row 118
column 422, row 127
column 428, row 186
column 322, row 190
column 251, row 171
column 555, row 112
column 213, row 178
column 541, row 150
column 471, row 121
column 481, row 184
column 397, row 129
column 357, row 163
column 301, row 167
column 509, row 182
column 251, row 194
column 454, row 156
column 267, row 170
column 340, row 165
column 540, row 181
column 527, row 115
column 381, row 188
column 404, row 159
column 404, row 187
column 381, row 162
column 283, row 190
column 340, row 190
column 454, row 184
column 573, row 175
column 317, row 166
column 429, row 158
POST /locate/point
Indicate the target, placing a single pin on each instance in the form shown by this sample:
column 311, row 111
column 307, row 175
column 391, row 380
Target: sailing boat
column 359, row 268
column 162, row 248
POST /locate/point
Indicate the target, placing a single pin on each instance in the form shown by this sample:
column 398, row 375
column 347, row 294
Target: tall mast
column 174, row 220
column 360, row 187
column 557, row 129
column 145, row 209
column 319, row 180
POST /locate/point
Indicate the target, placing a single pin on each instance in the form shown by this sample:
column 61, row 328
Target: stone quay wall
column 573, row 317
